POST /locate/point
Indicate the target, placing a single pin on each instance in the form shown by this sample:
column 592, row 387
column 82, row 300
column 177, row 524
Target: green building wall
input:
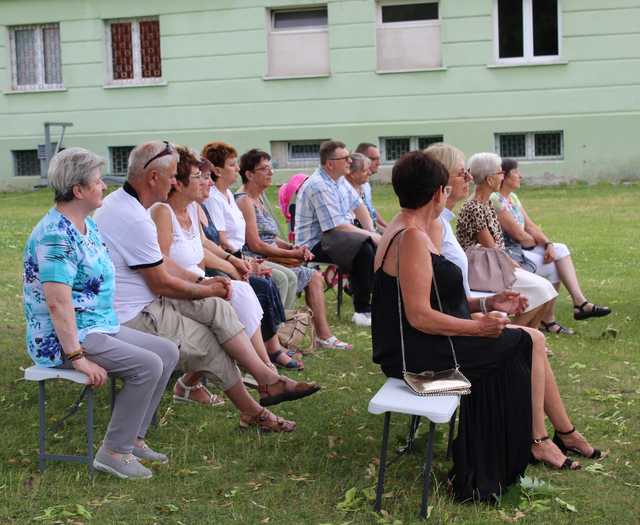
column 214, row 57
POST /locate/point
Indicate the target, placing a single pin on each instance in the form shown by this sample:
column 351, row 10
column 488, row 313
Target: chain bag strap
column 430, row 383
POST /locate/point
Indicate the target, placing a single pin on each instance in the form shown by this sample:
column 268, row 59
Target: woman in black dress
column 502, row 422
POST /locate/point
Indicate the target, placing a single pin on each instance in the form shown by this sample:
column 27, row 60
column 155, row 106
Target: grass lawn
column 218, row 474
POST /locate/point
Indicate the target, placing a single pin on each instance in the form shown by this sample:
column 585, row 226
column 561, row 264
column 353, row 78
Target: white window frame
column 137, row 79
column 413, row 144
column 308, row 29
column 527, row 36
column 530, row 144
column 39, row 45
column 415, row 23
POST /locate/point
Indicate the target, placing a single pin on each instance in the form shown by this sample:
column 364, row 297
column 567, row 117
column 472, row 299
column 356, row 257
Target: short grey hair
column 69, row 168
column 141, row 154
column 483, row 165
column 359, row 161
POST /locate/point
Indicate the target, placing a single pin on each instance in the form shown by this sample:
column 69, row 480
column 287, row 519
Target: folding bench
column 42, row 374
column 395, row 396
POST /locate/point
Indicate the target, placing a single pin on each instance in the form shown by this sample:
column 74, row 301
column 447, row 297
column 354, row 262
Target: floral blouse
column 474, row 217
column 511, row 204
column 57, row 252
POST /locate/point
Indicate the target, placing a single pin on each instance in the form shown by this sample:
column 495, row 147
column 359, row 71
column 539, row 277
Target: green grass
column 219, row 475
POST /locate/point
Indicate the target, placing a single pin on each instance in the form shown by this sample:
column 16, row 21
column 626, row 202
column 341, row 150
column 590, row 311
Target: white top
column 452, row 250
column 132, row 240
column 186, row 246
column 227, row 217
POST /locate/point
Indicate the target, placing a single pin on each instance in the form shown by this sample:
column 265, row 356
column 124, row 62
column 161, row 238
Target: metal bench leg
column 90, row 431
column 43, row 428
column 426, row 472
column 452, row 429
column 383, row 462
column 414, row 423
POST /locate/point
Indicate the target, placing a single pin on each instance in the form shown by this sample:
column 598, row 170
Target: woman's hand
column 302, row 252
column 242, row 267
column 96, row 374
column 549, row 254
column 257, row 269
column 491, row 325
column 509, row 302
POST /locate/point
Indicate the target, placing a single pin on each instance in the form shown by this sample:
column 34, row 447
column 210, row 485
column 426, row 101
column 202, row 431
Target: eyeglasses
column 374, row 159
column 341, row 158
column 168, row 150
column 464, row 173
column 267, row 168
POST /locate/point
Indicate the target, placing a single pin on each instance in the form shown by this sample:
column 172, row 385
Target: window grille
column 35, row 57
column 26, row 163
column 425, row 142
column 548, row 144
column 395, row 148
column 513, row 146
column 134, row 48
column 304, row 151
column 119, row 160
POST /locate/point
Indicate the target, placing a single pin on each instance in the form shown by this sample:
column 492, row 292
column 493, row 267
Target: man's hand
column 96, row 374
column 375, row 237
column 549, row 254
column 508, row 301
column 218, row 287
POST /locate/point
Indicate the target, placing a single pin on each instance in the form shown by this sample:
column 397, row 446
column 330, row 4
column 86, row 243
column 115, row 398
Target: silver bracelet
column 483, row 305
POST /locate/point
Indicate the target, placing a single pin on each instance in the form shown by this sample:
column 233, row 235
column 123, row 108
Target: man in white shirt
column 159, row 297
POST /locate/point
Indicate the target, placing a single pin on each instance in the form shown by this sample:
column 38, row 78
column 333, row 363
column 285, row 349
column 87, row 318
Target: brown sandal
column 266, row 422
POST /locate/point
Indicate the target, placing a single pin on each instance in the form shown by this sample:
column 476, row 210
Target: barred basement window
column 304, row 151
column 26, row 163
column 119, row 157
column 133, row 48
column 392, row 148
column 35, row 57
column 539, row 145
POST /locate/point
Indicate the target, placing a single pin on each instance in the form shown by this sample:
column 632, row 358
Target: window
column 26, row 163
column 35, row 57
column 408, row 36
column 119, row 157
column 297, row 42
column 530, row 146
column 296, row 154
column 526, row 30
column 133, row 52
column 392, row 148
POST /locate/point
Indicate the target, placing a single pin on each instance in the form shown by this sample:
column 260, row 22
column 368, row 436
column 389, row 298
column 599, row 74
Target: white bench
column 395, row 396
column 41, row 374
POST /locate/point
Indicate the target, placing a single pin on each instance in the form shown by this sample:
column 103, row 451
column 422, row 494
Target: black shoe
column 579, row 313
column 596, row 454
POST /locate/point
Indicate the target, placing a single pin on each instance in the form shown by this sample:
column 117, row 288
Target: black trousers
column 361, row 275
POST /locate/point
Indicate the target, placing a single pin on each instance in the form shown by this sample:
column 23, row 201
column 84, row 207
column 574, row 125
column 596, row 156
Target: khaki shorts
column 199, row 328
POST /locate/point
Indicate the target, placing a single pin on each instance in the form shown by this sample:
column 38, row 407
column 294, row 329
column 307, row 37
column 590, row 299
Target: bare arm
column 485, row 238
column 416, row 273
column 513, row 228
column 253, row 240
column 348, row 227
column 63, row 317
column 534, row 230
column 362, row 214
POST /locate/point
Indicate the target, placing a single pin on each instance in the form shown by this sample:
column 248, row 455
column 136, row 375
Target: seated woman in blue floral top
column 68, row 304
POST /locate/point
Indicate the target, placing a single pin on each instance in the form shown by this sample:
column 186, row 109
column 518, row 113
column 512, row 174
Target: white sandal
column 333, row 342
column 214, row 400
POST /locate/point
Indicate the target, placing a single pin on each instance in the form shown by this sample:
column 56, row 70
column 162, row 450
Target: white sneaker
column 361, row 319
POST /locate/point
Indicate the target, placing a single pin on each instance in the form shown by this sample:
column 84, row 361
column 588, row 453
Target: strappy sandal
column 554, row 327
column 596, row 454
column 333, row 342
column 301, row 390
column 212, row 399
column 266, row 422
column 292, row 364
column 579, row 313
column 566, row 465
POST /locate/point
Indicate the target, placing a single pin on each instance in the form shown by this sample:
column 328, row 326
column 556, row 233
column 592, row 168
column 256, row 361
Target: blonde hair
column 448, row 155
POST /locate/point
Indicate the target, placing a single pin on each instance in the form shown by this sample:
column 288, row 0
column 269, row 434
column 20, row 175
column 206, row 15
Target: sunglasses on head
column 168, row 150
